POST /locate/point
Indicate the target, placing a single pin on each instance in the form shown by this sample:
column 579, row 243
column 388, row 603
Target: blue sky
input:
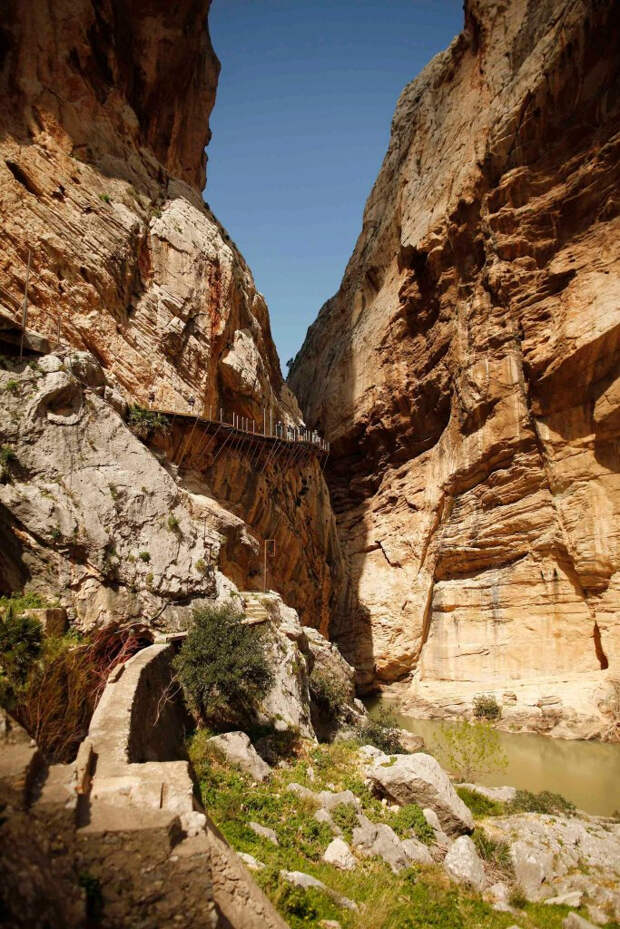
column 300, row 126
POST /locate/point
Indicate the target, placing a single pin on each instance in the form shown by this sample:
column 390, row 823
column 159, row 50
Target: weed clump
column 410, row 818
column 8, row 458
column 382, row 732
column 486, row 707
column 52, row 685
column 544, row 802
column 495, row 852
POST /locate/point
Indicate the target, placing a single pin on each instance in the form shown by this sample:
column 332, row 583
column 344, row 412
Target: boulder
column 379, row 839
column 464, row 864
column 238, row 749
column 264, row 832
column 339, row 854
column 499, row 895
column 322, row 816
column 420, row 779
column 532, row 867
column 301, row 879
column 370, row 752
column 85, row 368
column 416, row 851
column 329, row 800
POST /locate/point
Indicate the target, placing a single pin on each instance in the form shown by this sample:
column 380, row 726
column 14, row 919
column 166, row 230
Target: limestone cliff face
column 103, row 125
column 466, row 372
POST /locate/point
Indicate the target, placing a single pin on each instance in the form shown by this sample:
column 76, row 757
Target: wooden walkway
column 286, row 444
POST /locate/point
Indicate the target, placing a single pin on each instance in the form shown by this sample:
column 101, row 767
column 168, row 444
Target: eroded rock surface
column 466, row 371
column 104, row 122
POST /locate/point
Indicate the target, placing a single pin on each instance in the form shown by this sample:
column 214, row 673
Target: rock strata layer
column 466, row 372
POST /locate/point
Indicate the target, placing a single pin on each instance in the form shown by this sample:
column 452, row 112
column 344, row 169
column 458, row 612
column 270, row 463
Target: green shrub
column 173, row 523
column 328, row 691
column 544, row 802
column 478, row 804
column 21, row 640
column 12, row 386
column 146, row 423
column 381, row 730
column 144, row 556
column 345, row 816
column 470, row 749
column 486, row 707
column 222, row 665
column 105, row 198
column 410, row 818
column 201, row 566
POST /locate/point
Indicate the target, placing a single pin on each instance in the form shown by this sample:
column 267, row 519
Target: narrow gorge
column 208, row 572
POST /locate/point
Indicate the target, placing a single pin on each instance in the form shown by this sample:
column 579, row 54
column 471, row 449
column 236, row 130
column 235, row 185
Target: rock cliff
column 466, row 373
column 103, row 128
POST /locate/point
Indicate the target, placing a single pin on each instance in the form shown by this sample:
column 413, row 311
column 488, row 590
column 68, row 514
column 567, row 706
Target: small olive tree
column 470, row 749
column 222, row 666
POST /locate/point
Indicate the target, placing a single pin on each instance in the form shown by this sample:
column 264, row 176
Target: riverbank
column 586, row 772
column 567, row 706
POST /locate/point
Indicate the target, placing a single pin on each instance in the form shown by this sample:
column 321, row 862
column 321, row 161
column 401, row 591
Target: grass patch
column 417, row 898
column 479, row 805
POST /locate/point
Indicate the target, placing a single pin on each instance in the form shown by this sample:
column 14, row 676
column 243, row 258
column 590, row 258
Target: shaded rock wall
column 466, row 371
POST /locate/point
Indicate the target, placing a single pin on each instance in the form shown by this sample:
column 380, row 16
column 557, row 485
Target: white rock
column 499, row 895
column 571, row 898
column 49, row 363
column 251, row 862
column 419, row 778
column 86, row 368
column 416, row 851
column 238, row 749
column 265, row 832
column 300, row 879
column 339, row 854
column 330, row 800
column 500, row 794
column 369, row 751
column 379, row 839
column 464, row 865
column 323, row 816
column 193, row 823
column 532, row 867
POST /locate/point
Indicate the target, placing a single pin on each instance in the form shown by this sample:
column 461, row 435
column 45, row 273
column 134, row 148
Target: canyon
column 461, row 539
column 466, row 374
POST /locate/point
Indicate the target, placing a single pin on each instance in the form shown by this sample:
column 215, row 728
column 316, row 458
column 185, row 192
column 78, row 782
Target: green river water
column 588, row 773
